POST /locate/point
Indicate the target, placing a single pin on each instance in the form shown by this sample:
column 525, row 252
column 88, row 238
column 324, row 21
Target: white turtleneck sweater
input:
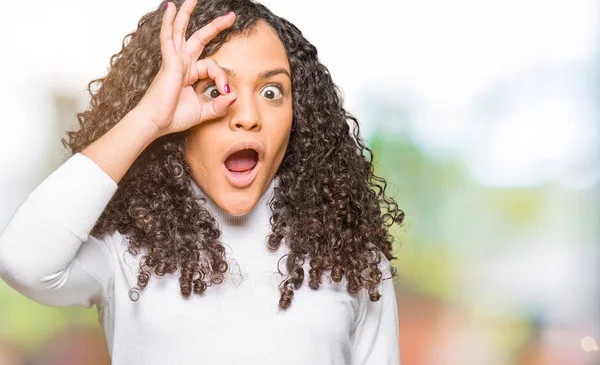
column 48, row 255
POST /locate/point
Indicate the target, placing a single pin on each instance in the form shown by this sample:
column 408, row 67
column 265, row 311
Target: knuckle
column 202, row 41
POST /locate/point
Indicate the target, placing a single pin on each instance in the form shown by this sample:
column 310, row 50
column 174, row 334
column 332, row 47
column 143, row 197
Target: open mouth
column 243, row 162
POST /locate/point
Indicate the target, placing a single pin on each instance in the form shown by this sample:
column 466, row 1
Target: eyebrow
column 263, row 75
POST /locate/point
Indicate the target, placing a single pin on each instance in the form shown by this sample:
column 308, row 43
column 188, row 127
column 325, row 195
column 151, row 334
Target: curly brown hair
column 328, row 207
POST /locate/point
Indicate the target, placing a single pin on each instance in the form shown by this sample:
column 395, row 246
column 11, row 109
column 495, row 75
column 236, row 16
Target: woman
column 217, row 208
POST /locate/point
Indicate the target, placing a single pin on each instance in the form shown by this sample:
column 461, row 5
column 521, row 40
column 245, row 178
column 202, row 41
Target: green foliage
column 27, row 322
column 449, row 219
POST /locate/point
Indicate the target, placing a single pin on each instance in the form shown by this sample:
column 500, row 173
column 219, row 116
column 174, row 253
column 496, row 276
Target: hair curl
column 329, row 206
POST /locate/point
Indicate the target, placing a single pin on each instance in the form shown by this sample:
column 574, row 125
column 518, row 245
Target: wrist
column 144, row 124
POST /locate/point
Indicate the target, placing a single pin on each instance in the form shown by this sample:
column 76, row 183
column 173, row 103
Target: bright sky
column 504, row 85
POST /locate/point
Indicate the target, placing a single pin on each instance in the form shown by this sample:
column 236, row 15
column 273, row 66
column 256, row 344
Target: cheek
column 276, row 124
column 280, row 134
column 200, row 145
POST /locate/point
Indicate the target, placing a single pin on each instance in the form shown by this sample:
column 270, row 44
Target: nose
column 245, row 113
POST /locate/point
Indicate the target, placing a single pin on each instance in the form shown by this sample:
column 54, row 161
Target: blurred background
column 484, row 117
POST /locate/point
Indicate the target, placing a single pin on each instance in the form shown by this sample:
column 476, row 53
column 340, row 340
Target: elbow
column 27, row 279
column 18, row 275
column 10, row 268
column 20, row 271
column 26, row 254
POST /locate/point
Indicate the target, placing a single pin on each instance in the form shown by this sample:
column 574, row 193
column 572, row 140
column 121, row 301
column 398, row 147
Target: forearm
column 118, row 148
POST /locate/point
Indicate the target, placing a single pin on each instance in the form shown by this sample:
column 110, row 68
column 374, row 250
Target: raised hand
column 171, row 102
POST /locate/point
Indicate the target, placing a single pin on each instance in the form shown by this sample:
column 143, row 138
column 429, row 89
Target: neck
column 259, row 215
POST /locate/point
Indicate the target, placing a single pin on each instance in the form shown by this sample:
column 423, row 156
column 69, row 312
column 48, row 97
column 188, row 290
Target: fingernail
column 227, row 88
column 230, row 104
column 229, row 12
column 167, row 6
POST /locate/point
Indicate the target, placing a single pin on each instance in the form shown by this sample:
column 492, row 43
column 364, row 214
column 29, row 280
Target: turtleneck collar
column 258, row 216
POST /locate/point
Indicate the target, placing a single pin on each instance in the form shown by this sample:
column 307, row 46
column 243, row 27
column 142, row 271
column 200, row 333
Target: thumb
column 218, row 107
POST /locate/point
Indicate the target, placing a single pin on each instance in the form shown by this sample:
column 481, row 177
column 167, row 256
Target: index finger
column 195, row 44
column 182, row 20
column 167, row 47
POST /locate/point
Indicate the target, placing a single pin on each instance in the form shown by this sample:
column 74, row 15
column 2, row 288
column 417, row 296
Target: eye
column 272, row 92
column 211, row 91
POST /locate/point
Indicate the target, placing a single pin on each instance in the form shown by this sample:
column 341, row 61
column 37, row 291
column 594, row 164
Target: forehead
column 253, row 53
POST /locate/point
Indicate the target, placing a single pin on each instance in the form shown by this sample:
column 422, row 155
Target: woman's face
column 259, row 73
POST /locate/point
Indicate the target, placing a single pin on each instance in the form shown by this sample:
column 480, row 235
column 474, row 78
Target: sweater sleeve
column 375, row 339
column 46, row 252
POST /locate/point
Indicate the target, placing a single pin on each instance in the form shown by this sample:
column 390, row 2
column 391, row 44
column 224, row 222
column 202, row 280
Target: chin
column 239, row 203
column 238, row 211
